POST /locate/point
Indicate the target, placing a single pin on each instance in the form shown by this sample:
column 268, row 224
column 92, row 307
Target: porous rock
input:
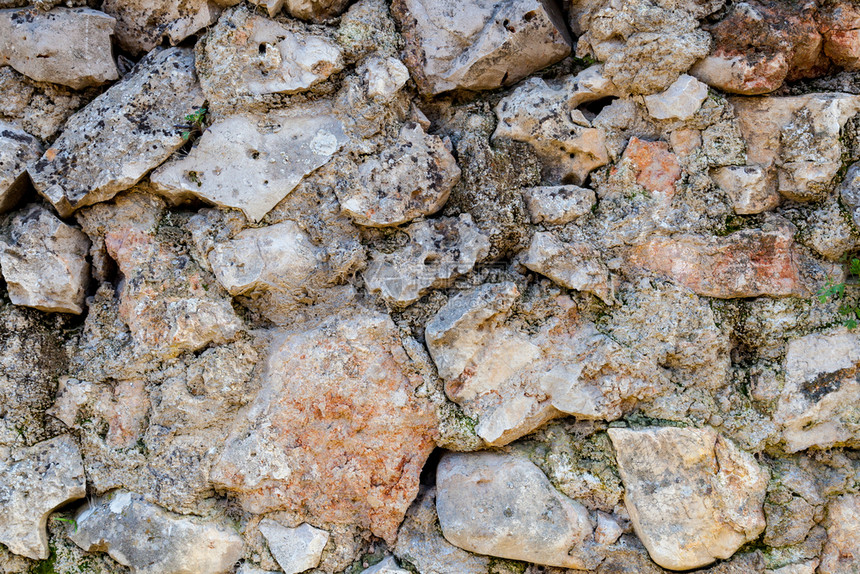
column 43, row 261
column 558, row 204
column 841, row 554
column 34, row 481
column 175, row 544
column 573, row 265
column 502, row 505
column 135, row 120
column 656, row 168
column 315, row 10
column 336, row 433
column 693, row 497
column 18, row 150
column 68, row 46
column 295, row 549
column 478, row 44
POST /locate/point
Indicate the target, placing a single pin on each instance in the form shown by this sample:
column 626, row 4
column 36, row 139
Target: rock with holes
column 693, row 496
column 749, row 187
column 18, row 150
column 68, row 46
column 545, row 115
column 135, row 120
column 295, row 549
column 680, row 101
column 558, row 204
column 438, row 251
column 151, row 540
column 248, row 55
column 144, row 24
column 44, row 261
column 479, row 44
column 253, row 163
column 413, row 177
column 841, row 554
column 575, row 265
column 34, row 481
column 503, row 505
column 337, row 432
column 817, row 402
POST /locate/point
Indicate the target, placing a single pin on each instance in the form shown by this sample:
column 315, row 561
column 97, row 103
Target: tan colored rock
column 336, row 433
column 253, row 163
column 545, row 116
column 572, row 265
column 135, row 120
column 18, row 149
column 817, row 404
column 558, row 204
column 315, row 10
column 295, row 549
column 43, row 261
column 841, row 554
column 143, row 24
column 680, row 101
column 438, row 251
column 34, row 481
column 849, row 192
column 68, row 46
column 503, row 505
column 385, row 76
column 693, row 497
column 248, row 55
column 839, row 24
column 411, row 178
column 174, row 544
column 479, row 44
column 749, row 188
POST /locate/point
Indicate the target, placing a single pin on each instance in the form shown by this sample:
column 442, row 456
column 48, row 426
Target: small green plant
column 195, row 123
column 836, row 292
column 71, row 521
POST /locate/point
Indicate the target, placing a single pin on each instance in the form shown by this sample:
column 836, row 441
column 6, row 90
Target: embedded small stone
column 384, row 77
column 295, row 549
column 849, row 191
column 572, row 265
column 558, row 204
column 68, row 46
column 315, row 10
column 749, row 188
column 385, row 566
column 18, row 150
column 680, row 101
column 657, row 169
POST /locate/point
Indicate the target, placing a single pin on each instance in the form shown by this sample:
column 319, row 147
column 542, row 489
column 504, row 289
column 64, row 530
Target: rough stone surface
column 572, row 265
column 34, row 481
column 385, row 566
column 68, row 46
column 693, row 496
column 849, row 191
column 315, row 10
column 842, row 552
column 136, row 118
column 657, row 169
column 497, row 504
column 479, row 45
column 18, row 150
column 175, row 544
column 749, row 188
column 296, row 549
column 680, row 101
column 43, row 261
column 559, row 204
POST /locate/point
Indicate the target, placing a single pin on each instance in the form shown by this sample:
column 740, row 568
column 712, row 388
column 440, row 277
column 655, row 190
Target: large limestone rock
column 295, row 549
column 545, row 116
column 68, row 46
column 336, row 433
column 479, row 44
column 818, row 402
column 246, row 54
column 573, row 265
column 693, row 497
column 414, row 177
column 34, row 481
column 113, row 142
column 502, row 505
column 143, row 24
column 438, row 251
column 253, row 163
column 18, row 150
column 43, row 261
column 841, row 553
column 174, row 544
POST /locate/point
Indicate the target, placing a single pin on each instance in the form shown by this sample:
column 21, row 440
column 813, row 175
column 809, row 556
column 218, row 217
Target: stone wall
column 430, row 286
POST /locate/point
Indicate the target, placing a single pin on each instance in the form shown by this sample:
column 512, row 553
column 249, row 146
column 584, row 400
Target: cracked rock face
column 18, row 150
column 296, row 549
column 693, row 497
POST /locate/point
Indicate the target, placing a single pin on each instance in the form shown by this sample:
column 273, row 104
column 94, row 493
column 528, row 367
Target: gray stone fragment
column 43, row 261
column 315, row 10
column 850, row 192
column 18, row 149
column 502, row 505
column 439, row 250
column 479, row 44
column 113, row 142
column 121, row 521
column 295, row 549
column 239, row 164
column 384, row 76
column 68, row 46
column 386, row 566
column 34, row 481
column 558, row 204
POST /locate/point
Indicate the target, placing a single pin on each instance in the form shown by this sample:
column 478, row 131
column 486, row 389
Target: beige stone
column 841, row 554
column 680, row 101
column 385, row 566
column 573, row 265
column 295, row 549
column 749, row 188
column 558, row 204
column 315, row 10
column 18, row 150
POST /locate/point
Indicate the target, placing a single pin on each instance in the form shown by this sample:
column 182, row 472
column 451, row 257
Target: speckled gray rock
column 680, row 101
column 438, row 251
column 693, row 497
column 113, row 142
column 68, row 46
column 385, row 566
column 242, row 164
column 558, row 204
column 849, row 190
column 411, row 178
column 18, row 150
column 43, row 261
column 295, row 549
column 575, row 265
column 479, row 44
column 502, row 505
column 175, row 544
column 33, row 482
